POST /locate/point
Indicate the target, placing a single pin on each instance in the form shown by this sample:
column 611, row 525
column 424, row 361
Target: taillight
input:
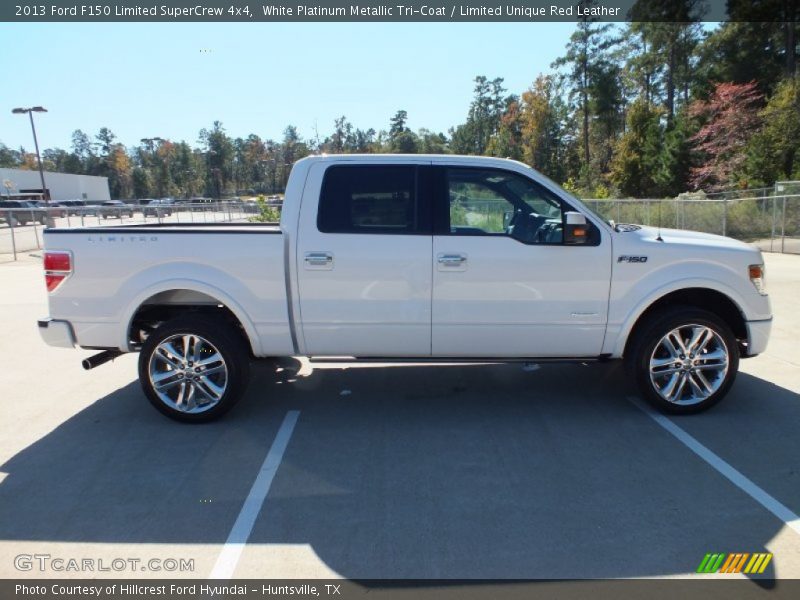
column 57, row 267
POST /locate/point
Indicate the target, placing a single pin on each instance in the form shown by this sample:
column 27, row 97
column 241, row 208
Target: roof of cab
column 417, row 158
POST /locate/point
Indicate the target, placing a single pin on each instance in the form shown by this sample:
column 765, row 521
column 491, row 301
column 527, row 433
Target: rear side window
column 369, row 199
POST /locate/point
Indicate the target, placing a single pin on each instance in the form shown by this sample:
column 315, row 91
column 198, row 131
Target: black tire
column 223, row 337
column 651, row 334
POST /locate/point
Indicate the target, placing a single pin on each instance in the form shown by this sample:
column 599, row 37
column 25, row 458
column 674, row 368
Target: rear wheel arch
column 158, row 308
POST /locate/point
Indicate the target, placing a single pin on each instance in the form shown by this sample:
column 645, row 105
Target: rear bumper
column 56, row 333
column 758, row 336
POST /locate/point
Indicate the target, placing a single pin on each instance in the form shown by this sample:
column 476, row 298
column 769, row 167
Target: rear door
column 505, row 283
column 364, row 260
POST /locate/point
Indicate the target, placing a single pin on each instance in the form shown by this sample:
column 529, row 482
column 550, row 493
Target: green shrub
column 266, row 213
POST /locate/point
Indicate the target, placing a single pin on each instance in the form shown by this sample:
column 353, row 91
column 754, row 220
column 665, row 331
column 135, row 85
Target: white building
column 61, row 185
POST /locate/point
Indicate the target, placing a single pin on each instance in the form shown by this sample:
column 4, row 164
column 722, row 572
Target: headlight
column 756, row 273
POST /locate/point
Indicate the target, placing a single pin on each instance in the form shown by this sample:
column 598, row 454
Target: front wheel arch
column 700, row 298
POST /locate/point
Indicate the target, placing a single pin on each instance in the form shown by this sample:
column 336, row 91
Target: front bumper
column 56, row 333
column 758, row 336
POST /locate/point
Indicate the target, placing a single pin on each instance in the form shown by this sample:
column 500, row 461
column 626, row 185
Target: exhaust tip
column 99, row 359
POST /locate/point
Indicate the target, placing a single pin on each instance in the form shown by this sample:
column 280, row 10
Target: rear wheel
column 194, row 369
column 685, row 360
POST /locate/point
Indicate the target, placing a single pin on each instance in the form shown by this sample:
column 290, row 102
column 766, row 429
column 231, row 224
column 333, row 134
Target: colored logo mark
column 741, row 562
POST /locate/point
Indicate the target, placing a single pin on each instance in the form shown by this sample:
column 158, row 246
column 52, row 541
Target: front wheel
column 194, row 369
column 685, row 360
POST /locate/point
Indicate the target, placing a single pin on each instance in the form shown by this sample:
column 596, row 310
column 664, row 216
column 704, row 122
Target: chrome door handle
column 318, row 259
column 452, row 260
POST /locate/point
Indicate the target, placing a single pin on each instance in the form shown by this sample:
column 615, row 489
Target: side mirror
column 576, row 228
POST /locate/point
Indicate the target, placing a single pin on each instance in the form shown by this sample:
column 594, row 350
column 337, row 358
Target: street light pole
column 39, row 160
column 49, row 220
column 30, row 111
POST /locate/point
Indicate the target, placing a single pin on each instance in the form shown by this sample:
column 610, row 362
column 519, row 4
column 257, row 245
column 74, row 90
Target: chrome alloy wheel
column 188, row 373
column 689, row 364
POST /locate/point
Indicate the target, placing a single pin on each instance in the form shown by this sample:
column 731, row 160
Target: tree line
column 644, row 109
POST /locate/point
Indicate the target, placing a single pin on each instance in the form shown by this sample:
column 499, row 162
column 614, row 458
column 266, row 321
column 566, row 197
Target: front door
column 504, row 283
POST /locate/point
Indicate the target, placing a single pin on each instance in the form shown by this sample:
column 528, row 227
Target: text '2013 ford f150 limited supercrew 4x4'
column 408, row 258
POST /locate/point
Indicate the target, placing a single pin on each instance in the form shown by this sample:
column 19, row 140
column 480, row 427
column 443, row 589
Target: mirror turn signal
column 576, row 228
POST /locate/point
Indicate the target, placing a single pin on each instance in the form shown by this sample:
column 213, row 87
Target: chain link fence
column 21, row 228
column 770, row 222
column 769, row 218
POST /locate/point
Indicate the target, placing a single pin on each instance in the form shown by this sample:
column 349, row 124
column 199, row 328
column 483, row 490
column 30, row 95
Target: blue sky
column 170, row 80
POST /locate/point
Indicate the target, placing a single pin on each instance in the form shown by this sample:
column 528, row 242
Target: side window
column 368, row 199
column 475, row 207
column 496, row 202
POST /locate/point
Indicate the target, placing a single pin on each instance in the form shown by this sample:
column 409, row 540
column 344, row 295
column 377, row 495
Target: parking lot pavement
column 417, row 471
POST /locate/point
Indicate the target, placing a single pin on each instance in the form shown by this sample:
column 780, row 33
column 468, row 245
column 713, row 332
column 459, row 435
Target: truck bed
column 117, row 269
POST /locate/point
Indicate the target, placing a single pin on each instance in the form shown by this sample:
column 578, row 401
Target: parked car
column 21, row 212
column 54, row 209
column 138, row 204
column 200, row 203
column 442, row 258
column 81, row 207
column 159, row 208
column 115, row 208
column 248, row 207
column 91, row 208
column 72, row 206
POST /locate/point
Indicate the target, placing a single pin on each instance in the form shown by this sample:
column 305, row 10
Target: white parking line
column 237, row 538
column 723, row 468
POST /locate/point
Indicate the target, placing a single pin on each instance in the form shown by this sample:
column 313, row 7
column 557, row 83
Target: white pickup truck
column 437, row 258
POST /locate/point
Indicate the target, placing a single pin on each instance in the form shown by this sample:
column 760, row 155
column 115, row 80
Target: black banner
column 392, row 10
column 688, row 589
